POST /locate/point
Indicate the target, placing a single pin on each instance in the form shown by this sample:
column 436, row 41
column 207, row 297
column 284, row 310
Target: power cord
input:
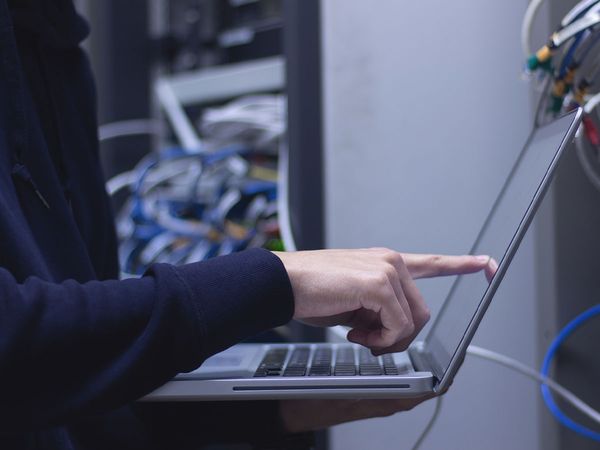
column 429, row 426
column 546, row 382
column 542, row 378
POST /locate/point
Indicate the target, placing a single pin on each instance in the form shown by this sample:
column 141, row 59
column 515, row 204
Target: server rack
column 129, row 49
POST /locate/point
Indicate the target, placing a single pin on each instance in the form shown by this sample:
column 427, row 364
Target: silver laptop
column 277, row 371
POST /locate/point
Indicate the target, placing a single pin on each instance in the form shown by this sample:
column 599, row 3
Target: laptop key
column 345, row 365
column 296, row 366
column 368, row 364
column 299, row 357
column 345, row 371
column 345, row 355
column 321, row 362
column 405, row 368
column 389, row 366
column 370, row 371
column 294, row 372
column 272, row 363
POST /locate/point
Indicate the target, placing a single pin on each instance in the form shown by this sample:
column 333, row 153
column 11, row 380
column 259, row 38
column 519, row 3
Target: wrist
column 287, row 260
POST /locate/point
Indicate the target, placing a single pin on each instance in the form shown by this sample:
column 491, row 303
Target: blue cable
column 564, row 65
column 556, row 343
column 593, row 40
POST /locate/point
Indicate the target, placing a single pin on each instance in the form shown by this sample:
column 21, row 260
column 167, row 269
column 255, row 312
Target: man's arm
column 325, row 279
column 69, row 349
column 72, row 349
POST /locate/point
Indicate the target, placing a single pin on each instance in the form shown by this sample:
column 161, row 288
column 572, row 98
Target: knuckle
column 392, row 256
column 382, row 281
column 410, row 328
column 403, row 323
column 406, row 329
column 423, row 316
column 390, row 272
column 396, row 258
column 387, row 254
column 389, row 340
column 376, row 282
column 435, row 262
column 383, row 341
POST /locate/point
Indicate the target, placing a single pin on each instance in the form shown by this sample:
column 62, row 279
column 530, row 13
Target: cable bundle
column 186, row 206
column 572, row 44
column 570, row 65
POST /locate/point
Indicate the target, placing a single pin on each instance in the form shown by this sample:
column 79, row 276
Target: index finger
column 427, row 266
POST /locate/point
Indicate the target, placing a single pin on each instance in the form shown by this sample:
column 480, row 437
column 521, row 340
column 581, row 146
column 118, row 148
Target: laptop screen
column 495, row 237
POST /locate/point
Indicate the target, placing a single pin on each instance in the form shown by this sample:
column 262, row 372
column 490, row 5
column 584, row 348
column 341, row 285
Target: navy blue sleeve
column 69, row 349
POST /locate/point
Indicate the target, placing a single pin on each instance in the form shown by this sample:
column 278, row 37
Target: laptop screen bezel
column 429, row 348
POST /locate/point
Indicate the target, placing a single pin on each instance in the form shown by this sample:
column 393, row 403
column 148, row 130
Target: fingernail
column 483, row 258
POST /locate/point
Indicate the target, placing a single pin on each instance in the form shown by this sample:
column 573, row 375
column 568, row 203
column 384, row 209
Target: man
column 77, row 346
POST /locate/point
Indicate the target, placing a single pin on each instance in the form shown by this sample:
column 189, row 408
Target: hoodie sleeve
column 68, row 349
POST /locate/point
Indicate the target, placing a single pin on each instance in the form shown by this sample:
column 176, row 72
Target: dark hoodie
column 77, row 346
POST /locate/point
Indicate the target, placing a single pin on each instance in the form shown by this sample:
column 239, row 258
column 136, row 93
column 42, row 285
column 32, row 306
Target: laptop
column 344, row 370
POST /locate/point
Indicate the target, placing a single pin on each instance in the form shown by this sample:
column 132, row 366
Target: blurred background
column 288, row 124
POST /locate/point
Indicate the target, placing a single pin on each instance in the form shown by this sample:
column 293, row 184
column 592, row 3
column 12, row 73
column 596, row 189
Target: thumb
column 427, row 266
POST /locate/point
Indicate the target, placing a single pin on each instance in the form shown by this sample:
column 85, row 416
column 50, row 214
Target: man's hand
column 308, row 415
column 370, row 290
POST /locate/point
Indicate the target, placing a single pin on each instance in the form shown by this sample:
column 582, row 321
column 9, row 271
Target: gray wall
column 424, row 113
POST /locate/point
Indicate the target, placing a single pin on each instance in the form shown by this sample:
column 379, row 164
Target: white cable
column 182, row 126
column 118, row 182
column 165, row 219
column 257, row 119
column 593, row 10
column 569, row 25
column 283, row 206
column 430, row 423
column 559, row 390
column 523, row 369
column 592, row 103
column 160, row 174
column 587, row 21
column 128, row 128
column 577, row 9
column 166, row 170
column 528, row 18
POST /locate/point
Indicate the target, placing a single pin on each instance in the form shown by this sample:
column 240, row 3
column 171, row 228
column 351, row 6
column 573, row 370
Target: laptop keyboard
column 323, row 361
